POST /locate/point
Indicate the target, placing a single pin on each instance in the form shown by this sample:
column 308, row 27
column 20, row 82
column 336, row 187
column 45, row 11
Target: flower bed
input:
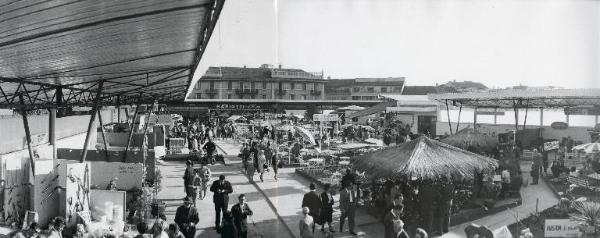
column 535, row 222
column 558, row 185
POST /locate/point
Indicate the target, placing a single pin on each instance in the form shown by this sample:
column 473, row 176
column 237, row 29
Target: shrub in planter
column 588, row 216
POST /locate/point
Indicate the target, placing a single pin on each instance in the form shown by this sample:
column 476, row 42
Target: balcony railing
column 315, row 92
column 246, row 91
column 211, row 91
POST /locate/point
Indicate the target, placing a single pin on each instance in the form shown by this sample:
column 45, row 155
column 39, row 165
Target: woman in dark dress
column 327, row 208
column 228, row 230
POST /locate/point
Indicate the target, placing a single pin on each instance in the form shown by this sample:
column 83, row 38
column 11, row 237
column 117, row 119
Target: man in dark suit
column 221, row 189
column 240, row 213
column 188, row 179
column 348, row 199
column 186, row 218
column 312, row 200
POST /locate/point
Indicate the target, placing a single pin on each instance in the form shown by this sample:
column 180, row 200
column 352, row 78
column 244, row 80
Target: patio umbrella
column 424, row 158
column 305, row 134
column 235, row 118
column 588, row 147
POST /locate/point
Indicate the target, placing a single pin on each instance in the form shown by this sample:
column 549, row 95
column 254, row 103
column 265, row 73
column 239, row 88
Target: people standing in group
column 188, row 179
column 348, row 200
column 312, row 200
column 186, row 218
column 240, row 213
column 205, row 174
column 327, row 202
column 307, row 224
column 221, row 190
column 393, row 223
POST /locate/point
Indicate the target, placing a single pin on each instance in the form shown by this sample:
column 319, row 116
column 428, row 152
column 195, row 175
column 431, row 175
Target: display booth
column 130, row 173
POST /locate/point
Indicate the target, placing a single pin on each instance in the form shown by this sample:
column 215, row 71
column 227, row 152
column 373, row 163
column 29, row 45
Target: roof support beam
column 131, row 129
column 27, row 134
column 92, row 119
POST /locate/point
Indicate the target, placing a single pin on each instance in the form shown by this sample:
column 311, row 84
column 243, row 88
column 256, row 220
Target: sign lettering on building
column 237, row 107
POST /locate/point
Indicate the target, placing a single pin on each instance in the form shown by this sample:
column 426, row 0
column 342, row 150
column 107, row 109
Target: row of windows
column 263, row 85
column 372, row 89
column 231, row 96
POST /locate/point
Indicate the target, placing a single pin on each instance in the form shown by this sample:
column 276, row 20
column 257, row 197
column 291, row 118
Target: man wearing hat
column 221, row 190
column 186, row 218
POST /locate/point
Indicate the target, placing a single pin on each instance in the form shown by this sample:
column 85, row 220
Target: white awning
column 412, row 109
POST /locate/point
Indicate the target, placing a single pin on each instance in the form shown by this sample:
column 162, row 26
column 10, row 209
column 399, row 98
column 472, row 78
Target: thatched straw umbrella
column 424, row 159
column 469, row 138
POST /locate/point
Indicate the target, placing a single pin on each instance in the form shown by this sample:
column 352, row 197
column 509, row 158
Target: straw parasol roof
column 470, row 138
column 424, row 158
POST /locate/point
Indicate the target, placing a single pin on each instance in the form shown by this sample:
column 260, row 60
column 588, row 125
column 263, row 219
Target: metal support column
column 146, row 122
column 458, row 121
column 52, row 130
column 448, row 114
column 495, row 116
column 137, row 109
column 516, row 117
column 541, row 116
column 91, row 124
column 567, row 118
column 27, row 133
column 526, row 112
column 475, row 119
column 104, row 140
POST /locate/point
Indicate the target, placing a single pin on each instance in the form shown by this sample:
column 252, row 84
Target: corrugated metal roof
column 555, row 98
column 130, row 47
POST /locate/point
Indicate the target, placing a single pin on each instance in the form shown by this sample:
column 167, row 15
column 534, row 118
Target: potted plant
column 588, row 217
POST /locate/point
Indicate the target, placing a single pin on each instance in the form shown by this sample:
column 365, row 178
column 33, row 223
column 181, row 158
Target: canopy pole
column 91, row 123
column 495, row 116
column 104, row 140
column 448, row 114
column 27, row 133
column 526, row 112
column 541, row 117
column 458, row 121
column 475, row 119
column 126, row 115
column 567, row 118
column 516, row 117
column 137, row 109
column 147, row 121
column 596, row 119
column 52, row 130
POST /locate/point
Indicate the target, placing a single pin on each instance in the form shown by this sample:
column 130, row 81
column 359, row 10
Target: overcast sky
column 497, row 42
